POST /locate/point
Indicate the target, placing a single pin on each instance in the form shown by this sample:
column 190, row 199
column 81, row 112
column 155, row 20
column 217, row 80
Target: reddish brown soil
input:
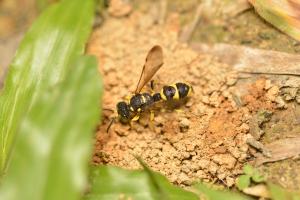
column 206, row 140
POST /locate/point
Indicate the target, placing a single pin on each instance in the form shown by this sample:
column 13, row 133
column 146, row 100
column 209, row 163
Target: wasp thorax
column 139, row 102
column 136, row 102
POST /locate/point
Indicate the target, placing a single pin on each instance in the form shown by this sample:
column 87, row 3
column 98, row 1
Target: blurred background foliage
column 41, row 62
column 283, row 14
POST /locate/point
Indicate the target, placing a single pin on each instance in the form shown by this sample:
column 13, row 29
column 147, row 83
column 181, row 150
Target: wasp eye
column 123, row 111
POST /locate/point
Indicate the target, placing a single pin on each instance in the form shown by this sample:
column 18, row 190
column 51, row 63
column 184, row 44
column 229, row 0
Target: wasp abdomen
column 175, row 91
column 156, row 97
column 168, row 92
column 184, row 89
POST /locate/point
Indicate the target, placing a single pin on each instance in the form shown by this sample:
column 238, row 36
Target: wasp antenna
column 152, row 84
column 108, row 109
column 110, row 124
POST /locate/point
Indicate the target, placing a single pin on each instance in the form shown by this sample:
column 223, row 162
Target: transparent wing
column 154, row 61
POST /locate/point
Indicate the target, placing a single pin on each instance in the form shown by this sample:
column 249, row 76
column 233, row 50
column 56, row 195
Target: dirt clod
column 184, row 124
column 226, row 160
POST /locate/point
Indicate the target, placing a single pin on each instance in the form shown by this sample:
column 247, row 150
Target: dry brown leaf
column 251, row 59
column 280, row 150
column 258, row 191
column 225, row 9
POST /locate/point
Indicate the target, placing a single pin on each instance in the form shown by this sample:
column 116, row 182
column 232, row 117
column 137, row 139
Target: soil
column 203, row 137
column 284, row 124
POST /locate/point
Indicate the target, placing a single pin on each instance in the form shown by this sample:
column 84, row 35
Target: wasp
column 139, row 102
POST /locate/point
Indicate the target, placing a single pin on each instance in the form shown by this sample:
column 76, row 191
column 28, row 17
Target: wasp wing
column 154, row 61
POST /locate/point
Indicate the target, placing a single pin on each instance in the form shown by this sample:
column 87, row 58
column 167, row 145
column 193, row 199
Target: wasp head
column 123, row 112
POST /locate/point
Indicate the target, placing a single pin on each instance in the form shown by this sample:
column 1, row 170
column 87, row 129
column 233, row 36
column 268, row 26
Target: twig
column 163, row 11
column 187, row 32
column 281, row 150
column 259, row 146
column 271, row 73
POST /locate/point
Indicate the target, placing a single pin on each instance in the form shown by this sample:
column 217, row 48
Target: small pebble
column 184, row 124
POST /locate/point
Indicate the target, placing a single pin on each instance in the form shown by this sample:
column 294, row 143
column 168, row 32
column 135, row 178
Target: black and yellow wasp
column 139, row 102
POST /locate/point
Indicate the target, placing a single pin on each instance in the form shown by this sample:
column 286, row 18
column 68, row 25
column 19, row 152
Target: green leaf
column 278, row 193
column 42, row 4
column 214, row 194
column 243, row 181
column 257, row 177
column 109, row 183
column 282, row 14
column 56, row 38
column 248, row 169
column 50, row 159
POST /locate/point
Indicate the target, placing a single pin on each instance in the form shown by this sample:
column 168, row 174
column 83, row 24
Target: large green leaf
column 112, row 183
column 43, row 59
column 243, row 181
column 278, row 193
column 213, row 194
column 53, row 147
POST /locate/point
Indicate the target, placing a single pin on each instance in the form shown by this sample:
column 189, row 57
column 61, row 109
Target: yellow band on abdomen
column 176, row 95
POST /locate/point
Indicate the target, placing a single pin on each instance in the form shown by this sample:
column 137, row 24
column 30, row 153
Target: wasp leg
column 131, row 124
column 151, row 115
column 110, row 124
column 127, row 98
column 135, row 118
column 179, row 111
column 152, row 85
column 151, row 124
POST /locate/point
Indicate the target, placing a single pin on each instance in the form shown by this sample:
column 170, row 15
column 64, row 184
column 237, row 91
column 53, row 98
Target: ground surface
column 207, row 139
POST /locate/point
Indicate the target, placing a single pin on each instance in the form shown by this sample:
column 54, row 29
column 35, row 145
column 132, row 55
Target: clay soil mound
column 201, row 138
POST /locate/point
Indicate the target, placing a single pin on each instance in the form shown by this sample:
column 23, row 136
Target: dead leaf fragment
column 259, row 146
column 251, row 59
column 258, row 191
column 280, row 150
